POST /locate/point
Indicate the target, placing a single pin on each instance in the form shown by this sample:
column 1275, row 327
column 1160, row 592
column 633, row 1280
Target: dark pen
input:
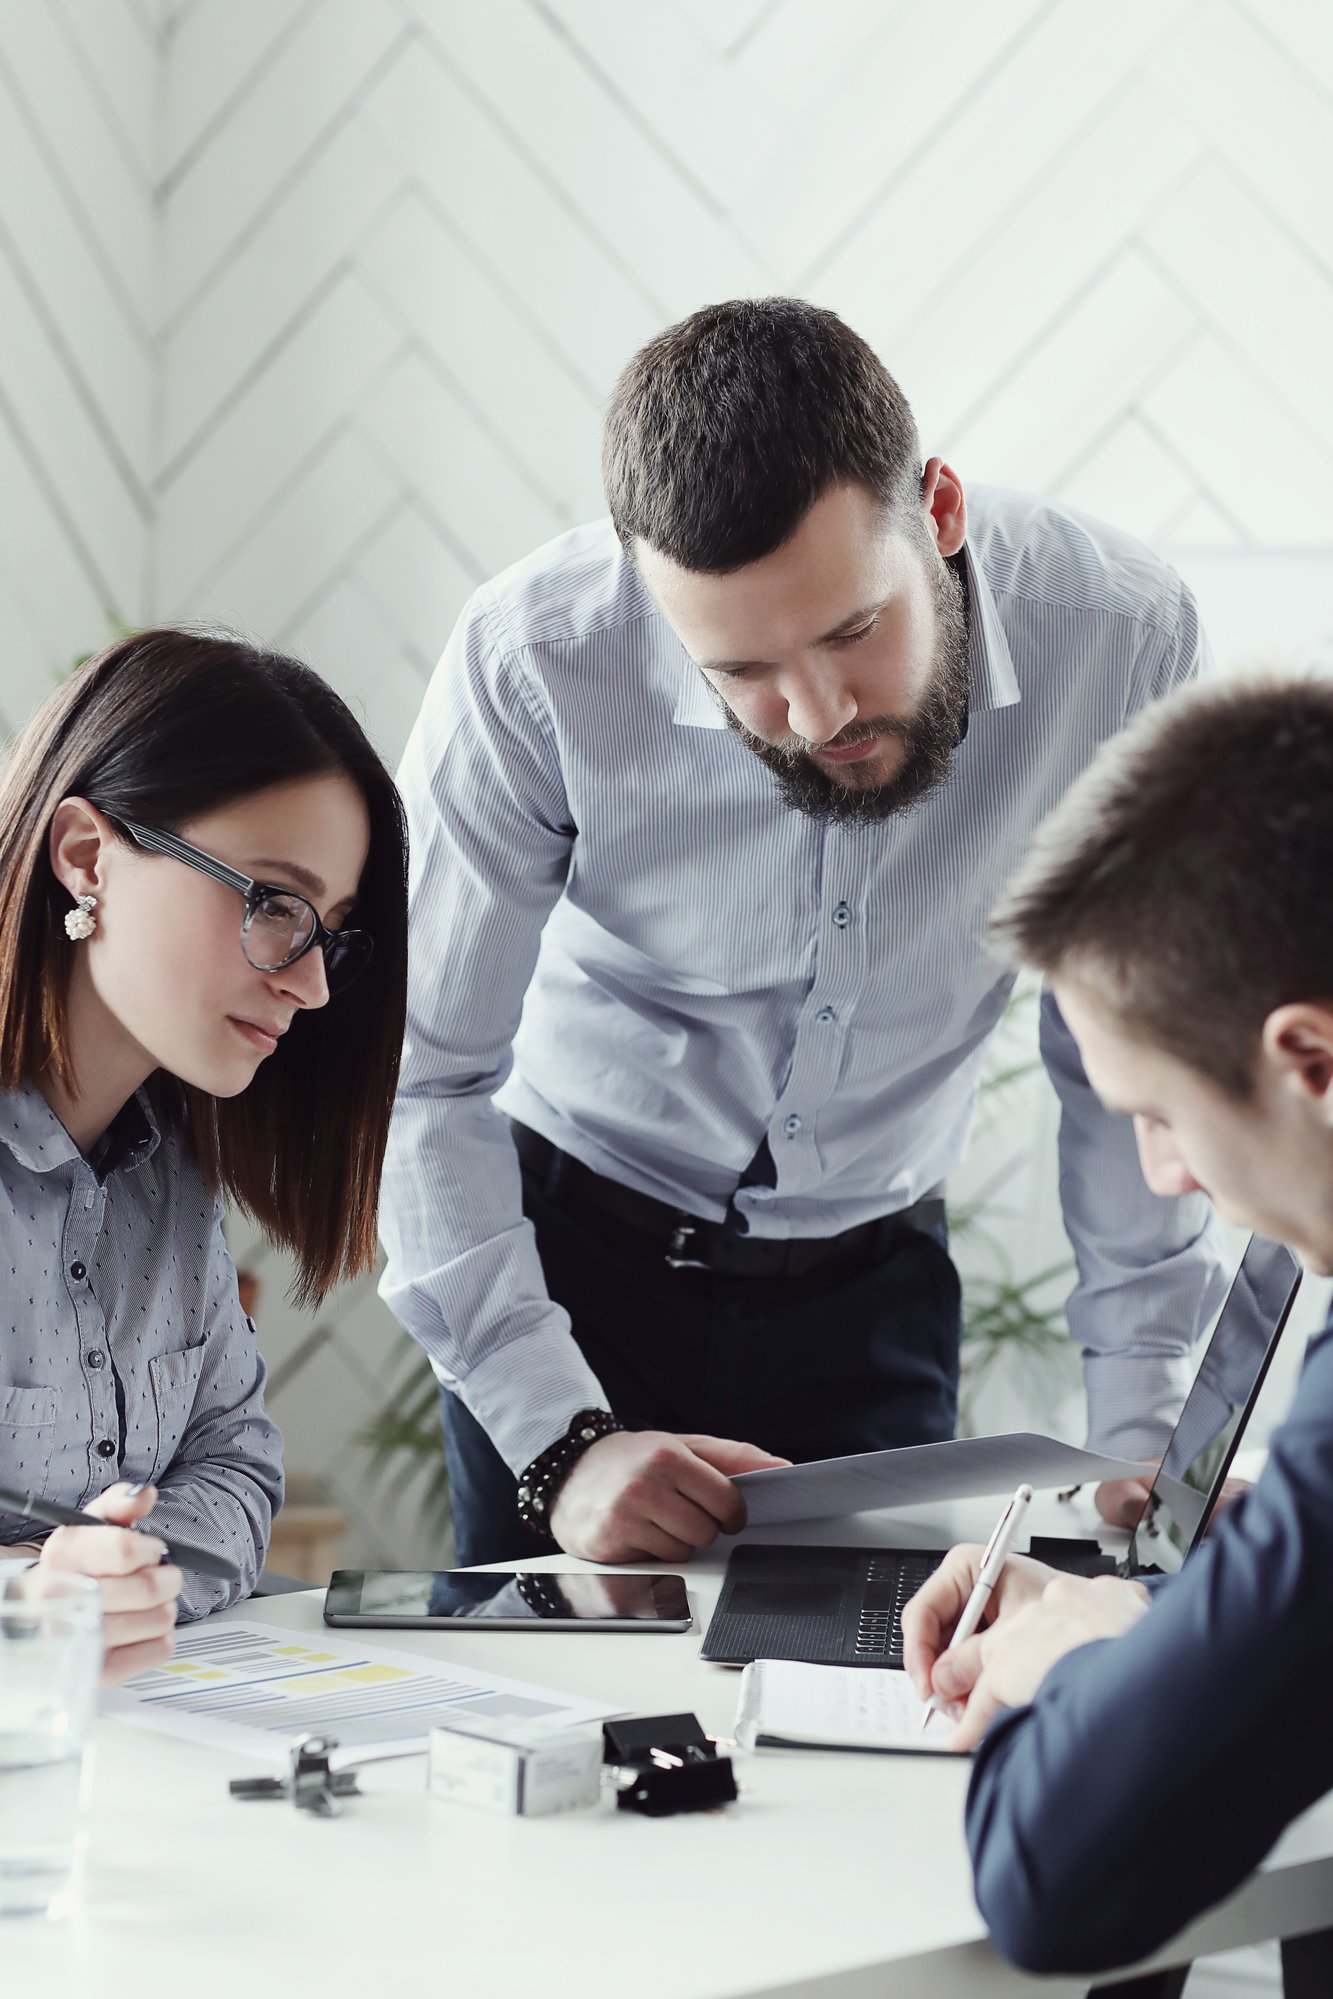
column 51, row 1515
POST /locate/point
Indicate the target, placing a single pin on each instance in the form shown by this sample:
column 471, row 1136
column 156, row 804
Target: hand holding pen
column 51, row 1514
column 993, row 1559
column 137, row 1585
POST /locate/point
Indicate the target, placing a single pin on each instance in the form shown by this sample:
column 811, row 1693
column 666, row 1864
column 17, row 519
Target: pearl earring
column 80, row 921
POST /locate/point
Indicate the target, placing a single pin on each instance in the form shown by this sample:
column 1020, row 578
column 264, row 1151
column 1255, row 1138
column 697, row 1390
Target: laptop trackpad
column 779, row 1598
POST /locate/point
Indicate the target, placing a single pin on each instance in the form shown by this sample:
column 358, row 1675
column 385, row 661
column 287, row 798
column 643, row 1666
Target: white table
column 840, row 1875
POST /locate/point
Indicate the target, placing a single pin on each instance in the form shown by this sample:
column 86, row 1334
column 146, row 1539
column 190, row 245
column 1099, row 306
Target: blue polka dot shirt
column 124, row 1352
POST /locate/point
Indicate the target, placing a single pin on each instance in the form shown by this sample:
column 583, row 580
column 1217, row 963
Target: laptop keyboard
column 891, row 1582
column 833, row 1606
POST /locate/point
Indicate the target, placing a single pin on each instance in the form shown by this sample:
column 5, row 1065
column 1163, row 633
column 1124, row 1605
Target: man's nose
column 816, row 711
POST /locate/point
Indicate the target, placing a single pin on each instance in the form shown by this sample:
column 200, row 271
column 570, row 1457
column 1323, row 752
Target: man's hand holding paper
column 649, row 1494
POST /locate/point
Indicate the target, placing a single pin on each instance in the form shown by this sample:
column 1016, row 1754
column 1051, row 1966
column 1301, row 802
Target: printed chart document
column 964, row 1468
column 784, row 1704
column 254, row 1687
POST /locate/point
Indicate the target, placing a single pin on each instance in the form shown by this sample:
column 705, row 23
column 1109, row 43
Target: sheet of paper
column 253, row 1687
column 966, row 1468
column 853, row 1707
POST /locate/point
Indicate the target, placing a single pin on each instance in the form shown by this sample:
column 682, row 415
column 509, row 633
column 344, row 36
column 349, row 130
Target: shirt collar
column 991, row 680
column 697, row 706
column 39, row 1141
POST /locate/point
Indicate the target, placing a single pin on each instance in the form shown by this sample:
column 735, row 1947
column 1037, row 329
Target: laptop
column 841, row 1606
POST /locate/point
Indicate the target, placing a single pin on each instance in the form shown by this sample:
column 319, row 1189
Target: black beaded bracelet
column 543, row 1478
column 542, row 1594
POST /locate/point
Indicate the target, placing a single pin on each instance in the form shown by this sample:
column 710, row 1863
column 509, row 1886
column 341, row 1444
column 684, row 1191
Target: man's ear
column 945, row 507
column 77, row 844
column 1298, row 1041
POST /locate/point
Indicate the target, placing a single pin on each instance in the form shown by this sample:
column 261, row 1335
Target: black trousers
column 835, row 1361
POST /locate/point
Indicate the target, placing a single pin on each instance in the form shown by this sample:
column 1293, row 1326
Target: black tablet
column 532, row 1599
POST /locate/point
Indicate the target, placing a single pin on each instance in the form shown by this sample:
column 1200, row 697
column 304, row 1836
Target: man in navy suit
column 1177, row 901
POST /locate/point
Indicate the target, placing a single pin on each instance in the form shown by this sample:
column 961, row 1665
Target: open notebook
column 788, row 1705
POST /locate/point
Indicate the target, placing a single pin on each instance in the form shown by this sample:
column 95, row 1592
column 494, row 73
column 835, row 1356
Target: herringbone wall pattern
column 79, row 353
column 408, row 243
column 310, row 307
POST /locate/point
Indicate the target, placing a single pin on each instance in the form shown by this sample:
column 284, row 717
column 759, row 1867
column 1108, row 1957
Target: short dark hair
column 163, row 727
column 1185, row 874
column 723, row 431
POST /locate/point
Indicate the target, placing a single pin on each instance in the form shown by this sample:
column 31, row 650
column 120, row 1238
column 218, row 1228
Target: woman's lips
column 258, row 1037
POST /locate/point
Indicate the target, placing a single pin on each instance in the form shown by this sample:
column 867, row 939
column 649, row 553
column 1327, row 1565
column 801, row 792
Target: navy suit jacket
column 1154, row 1771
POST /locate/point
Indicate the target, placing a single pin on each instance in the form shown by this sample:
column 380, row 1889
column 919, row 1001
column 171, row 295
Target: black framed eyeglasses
column 280, row 926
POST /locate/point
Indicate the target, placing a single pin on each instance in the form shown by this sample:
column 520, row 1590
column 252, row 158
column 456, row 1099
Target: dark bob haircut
column 161, row 728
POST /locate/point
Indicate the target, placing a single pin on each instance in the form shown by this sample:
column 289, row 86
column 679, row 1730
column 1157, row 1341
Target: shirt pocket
column 27, row 1437
column 175, row 1383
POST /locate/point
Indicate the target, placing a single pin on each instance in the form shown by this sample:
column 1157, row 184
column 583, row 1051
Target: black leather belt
column 689, row 1242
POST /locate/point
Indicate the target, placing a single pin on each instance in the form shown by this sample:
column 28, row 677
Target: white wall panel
column 78, row 277
column 422, row 415
column 301, row 543
column 218, row 55
column 416, row 574
column 269, row 135
column 479, row 323
column 1261, row 462
column 108, row 42
column 495, row 183
column 213, row 497
column 642, row 197
column 297, row 250
column 1101, row 353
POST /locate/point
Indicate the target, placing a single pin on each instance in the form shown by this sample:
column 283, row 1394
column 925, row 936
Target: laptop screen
column 1226, row 1387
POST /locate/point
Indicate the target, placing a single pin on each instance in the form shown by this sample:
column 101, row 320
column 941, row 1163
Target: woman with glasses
column 202, row 975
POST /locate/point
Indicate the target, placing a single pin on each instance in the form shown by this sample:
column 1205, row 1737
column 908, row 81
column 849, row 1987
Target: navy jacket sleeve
column 1154, row 1771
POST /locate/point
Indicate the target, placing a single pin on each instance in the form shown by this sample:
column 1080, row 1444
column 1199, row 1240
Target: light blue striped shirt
column 698, row 968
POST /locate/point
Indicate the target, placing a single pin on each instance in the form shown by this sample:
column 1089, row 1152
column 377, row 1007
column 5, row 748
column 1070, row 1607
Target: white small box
column 515, row 1767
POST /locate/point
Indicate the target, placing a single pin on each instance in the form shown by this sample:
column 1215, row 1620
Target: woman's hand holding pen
column 138, row 1589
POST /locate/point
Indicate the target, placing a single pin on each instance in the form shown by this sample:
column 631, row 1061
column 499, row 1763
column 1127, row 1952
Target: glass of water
column 50, row 1658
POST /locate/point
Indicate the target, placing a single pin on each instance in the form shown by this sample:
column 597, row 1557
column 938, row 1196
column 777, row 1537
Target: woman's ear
column 1298, row 1041
column 77, row 845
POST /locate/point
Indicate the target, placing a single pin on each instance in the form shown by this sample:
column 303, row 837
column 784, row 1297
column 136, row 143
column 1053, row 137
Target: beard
column 929, row 738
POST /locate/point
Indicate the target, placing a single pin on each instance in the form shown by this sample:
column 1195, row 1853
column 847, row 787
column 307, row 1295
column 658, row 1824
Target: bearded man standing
column 717, row 796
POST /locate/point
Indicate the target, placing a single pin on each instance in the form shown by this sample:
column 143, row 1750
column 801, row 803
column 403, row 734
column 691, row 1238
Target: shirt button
column 842, row 916
column 106, row 1449
column 78, row 1271
column 826, row 1015
column 96, row 1358
column 791, row 1125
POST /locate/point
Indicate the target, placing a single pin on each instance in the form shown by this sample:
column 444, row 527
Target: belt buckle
column 681, row 1237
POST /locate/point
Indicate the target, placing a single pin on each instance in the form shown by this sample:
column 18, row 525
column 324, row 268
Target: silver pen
column 992, row 1562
